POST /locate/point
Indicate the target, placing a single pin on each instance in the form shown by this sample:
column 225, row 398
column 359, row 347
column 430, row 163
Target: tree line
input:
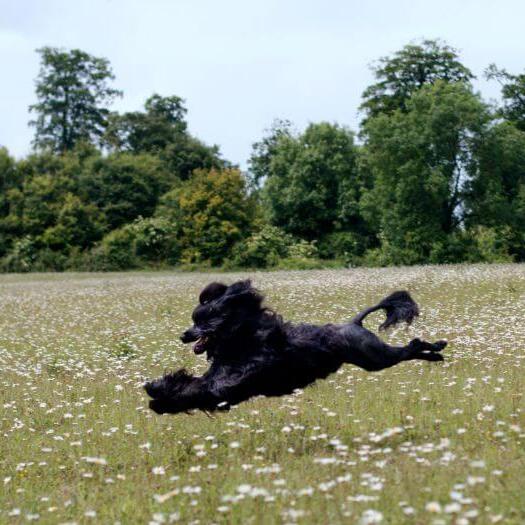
column 434, row 175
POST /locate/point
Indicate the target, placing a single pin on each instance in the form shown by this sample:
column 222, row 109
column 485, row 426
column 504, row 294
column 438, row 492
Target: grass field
column 419, row 443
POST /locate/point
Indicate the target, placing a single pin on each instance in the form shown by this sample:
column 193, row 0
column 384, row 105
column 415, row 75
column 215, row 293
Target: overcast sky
column 242, row 63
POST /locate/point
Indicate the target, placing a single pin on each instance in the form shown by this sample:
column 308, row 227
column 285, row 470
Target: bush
column 493, row 244
column 155, row 240
column 77, row 224
column 344, row 245
column 262, row 249
column 50, row 261
column 212, row 211
column 151, row 240
column 115, row 252
column 21, row 257
column 270, row 247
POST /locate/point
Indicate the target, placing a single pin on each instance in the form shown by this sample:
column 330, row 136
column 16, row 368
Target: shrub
column 493, row 244
column 21, row 257
column 115, row 252
column 344, row 245
column 151, row 240
column 212, row 211
column 262, row 249
column 270, row 247
column 155, row 240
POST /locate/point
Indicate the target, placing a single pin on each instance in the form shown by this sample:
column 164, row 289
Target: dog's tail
column 398, row 306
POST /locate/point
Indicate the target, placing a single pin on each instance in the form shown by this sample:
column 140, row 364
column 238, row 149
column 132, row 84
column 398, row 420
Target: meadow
column 419, row 443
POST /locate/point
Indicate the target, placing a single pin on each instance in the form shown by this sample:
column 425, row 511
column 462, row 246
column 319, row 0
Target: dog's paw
column 152, row 389
column 440, row 345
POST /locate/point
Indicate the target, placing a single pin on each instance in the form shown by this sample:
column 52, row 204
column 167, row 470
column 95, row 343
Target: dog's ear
column 242, row 293
column 211, row 292
column 240, row 287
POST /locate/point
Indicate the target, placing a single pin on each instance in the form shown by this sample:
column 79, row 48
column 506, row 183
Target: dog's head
column 223, row 312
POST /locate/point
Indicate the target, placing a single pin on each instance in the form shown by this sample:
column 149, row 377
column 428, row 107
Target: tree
column 212, row 211
column 123, row 186
column 495, row 197
column 420, row 160
column 150, row 131
column 161, row 130
column 73, row 91
column 264, row 151
column 77, row 225
column 513, row 94
column 311, row 181
column 408, row 70
column 9, row 180
column 44, row 181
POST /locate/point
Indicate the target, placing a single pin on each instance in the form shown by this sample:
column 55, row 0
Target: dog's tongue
column 199, row 346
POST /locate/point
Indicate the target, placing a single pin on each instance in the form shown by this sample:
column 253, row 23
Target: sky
column 240, row 64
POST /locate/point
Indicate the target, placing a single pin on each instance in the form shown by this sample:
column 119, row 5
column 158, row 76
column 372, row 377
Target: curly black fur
column 254, row 352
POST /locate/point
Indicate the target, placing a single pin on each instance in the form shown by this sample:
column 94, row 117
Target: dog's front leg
column 180, row 392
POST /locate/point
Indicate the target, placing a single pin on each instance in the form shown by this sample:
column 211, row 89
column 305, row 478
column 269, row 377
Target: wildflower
column 370, row 517
column 95, row 461
column 433, row 506
column 161, row 498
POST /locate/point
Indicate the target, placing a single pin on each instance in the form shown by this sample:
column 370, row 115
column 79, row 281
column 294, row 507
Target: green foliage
column 266, row 149
column 8, row 181
column 493, row 245
column 496, row 196
column 73, row 90
column 346, row 246
column 150, row 241
column 77, row 224
column 212, row 211
column 22, row 256
column 162, row 122
column 439, row 177
column 161, row 130
column 271, row 247
column 124, row 186
column 419, row 159
column 262, row 249
column 115, row 252
column 513, row 94
column 155, row 240
column 407, row 71
column 307, row 178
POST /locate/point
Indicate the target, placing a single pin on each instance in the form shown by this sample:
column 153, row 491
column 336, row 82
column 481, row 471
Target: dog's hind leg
column 364, row 349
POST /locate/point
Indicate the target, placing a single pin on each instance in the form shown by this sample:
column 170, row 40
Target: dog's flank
column 254, row 352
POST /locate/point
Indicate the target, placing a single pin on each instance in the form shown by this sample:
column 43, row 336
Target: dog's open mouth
column 200, row 346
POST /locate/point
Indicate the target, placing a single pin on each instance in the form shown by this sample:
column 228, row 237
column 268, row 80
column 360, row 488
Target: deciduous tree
column 420, row 159
column 73, row 90
column 399, row 76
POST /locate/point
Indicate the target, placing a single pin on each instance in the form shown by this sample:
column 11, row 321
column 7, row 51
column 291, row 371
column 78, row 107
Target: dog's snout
column 189, row 336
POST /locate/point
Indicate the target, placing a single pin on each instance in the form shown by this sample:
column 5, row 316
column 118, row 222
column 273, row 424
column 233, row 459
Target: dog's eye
column 202, row 314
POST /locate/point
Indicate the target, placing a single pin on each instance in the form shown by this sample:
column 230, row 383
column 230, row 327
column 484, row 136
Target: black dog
column 254, row 352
